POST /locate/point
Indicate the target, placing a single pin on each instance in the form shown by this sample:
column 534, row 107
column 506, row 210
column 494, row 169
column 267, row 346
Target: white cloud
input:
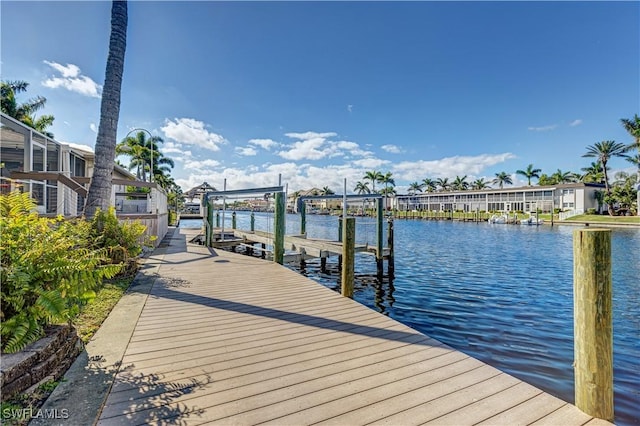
column 93, row 127
column 200, row 165
column 393, row 149
column 188, row 131
column 246, row 151
column 316, row 146
column 542, row 128
column 72, row 80
column 311, row 135
column 341, row 148
column 449, row 166
column 370, row 163
column 575, row 123
column 310, row 147
column 264, row 143
column 350, row 108
column 70, row 70
column 296, row 176
column 172, row 147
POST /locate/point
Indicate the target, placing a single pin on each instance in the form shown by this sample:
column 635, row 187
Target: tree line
column 618, row 195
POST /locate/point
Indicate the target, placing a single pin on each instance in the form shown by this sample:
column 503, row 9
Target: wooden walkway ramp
column 229, row 339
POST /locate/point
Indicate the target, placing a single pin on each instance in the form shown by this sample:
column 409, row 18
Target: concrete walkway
column 211, row 337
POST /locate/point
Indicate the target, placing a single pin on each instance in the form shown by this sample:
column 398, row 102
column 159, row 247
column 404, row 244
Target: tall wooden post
column 253, row 222
column 208, row 236
column 379, row 264
column 233, row 220
column 303, row 218
column 348, row 255
column 279, row 228
column 593, row 341
column 340, row 223
column 391, row 259
column 218, row 219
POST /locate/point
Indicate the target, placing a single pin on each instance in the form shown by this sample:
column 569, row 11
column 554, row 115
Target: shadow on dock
column 164, row 289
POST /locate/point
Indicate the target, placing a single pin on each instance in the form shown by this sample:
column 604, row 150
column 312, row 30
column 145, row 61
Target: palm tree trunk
column 610, row 209
column 99, row 195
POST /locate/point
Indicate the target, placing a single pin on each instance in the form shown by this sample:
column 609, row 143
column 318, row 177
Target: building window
column 53, row 157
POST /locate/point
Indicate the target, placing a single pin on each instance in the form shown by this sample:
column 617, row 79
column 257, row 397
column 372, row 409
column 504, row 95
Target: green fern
column 19, row 331
column 49, row 268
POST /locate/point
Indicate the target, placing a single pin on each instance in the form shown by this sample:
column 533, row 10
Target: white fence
column 569, row 213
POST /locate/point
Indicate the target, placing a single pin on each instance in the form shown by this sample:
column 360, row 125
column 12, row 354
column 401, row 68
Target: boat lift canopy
column 236, row 192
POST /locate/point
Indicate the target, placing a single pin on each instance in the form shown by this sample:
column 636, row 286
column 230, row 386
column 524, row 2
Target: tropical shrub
column 124, row 241
column 48, row 269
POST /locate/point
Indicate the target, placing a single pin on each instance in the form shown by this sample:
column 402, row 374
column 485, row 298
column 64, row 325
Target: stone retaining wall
column 48, row 358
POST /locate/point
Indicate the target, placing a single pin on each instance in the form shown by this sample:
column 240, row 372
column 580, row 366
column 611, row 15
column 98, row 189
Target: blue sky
column 322, row 91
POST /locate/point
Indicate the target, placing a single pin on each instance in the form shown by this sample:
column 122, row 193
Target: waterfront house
column 57, row 175
column 571, row 198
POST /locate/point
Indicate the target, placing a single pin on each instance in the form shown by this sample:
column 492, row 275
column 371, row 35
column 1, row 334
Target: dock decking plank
column 230, row 339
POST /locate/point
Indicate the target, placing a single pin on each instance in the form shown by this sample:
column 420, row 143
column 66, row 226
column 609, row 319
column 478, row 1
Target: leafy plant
column 123, row 240
column 48, row 270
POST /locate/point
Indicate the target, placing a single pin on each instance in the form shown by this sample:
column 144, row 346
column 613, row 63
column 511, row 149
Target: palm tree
column 99, row 195
column 460, row 183
column 327, row 191
column 373, row 176
column 479, row 184
column 429, row 184
column 388, row 191
column 593, row 173
column 388, row 180
column 544, row 180
column 563, row 177
column 633, row 127
column 501, row 179
column 362, row 188
column 414, row 187
column 160, row 163
column 443, row 184
column 142, row 151
column 604, row 151
column 24, row 112
column 529, row 173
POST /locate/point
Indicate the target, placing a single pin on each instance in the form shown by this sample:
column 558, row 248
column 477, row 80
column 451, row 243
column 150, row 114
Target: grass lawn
column 605, row 218
column 93, row 314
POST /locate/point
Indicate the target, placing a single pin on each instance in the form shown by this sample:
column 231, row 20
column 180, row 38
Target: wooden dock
column 230, row 339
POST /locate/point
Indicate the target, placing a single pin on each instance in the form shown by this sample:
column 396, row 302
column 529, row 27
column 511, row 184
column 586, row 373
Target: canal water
column 500, row 293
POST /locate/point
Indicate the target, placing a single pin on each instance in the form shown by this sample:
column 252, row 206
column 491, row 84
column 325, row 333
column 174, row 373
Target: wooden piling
column 380, row 215
column 208, row 228
column 348, row 255
column 593, row 341
column 279, row 228
column 218, row 219
column 233, row 220
column 303, row 218
column 391, row 259
column 253, row 222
